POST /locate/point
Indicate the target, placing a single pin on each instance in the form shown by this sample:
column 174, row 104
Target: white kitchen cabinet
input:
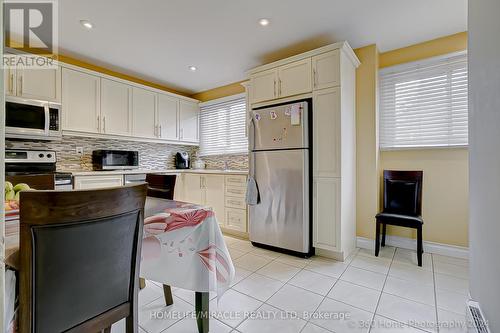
column 97, row 182
column 213, row 186
column 168, row 117
column 41, row 84
column 236, row 220
column 326, row 213
column 81, row 101
column 193, row 188
column 326, row 133
column 115, row 107
column 144, row 113
column 189, row 121
column 294, row 78
column 326, row 70
column 264, row 86
column 9, row 76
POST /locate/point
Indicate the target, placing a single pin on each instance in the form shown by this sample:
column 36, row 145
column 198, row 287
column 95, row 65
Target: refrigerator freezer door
column 280, row 127
column 281, row 219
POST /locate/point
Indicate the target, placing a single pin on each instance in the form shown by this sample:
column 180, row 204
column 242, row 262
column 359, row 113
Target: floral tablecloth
column 183, row 247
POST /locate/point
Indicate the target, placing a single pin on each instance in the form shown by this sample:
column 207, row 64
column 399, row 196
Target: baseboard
column 411, row 244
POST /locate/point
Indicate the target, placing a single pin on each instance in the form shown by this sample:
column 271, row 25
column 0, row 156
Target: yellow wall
column 228, row 90
column 432, row 48
column 367, row 189
column 445, row 197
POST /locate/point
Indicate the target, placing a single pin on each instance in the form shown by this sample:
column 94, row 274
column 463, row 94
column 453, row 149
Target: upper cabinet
column 168, row 117
column 284, row 81
column 115, row 107
column 264, row 86
column 326, row 70
column 81, row 100
column 295, row 78
column 41, row 84
column 189, row 121
column 144, row 113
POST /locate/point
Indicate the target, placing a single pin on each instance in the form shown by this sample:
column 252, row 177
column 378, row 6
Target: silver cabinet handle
column 314, row 78
column 104, row 124
column 279, row 88
column 274, row 88
column 20, row 90
column 160, row 132
column 11, row 83
column 98, row 124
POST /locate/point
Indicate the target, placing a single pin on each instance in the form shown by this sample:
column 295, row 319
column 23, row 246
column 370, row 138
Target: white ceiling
column 157, row 40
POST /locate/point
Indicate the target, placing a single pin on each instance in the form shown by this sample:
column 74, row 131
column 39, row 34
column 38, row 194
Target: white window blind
column 424, row 104
column 222, row 127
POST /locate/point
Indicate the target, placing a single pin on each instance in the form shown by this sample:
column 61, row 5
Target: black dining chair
column 80, row 257
column 402, row 206
column 161, row 186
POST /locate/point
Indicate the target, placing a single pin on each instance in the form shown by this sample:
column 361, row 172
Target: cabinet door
column 81, row 101
column 295, row 78
column 179, row 187
column 188, row 116
column 168, row 117
column 326, row 70
column 214, row 195
column 236, row 219
column 143, row 113
column 193, row 189
column 43, row 84
column 326, row 213
column 96, row 182
column 263, row 86
column 326, row 137
column 115, row 107
column 9, row 76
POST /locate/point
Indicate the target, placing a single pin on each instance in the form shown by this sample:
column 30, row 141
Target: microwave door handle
column 47, row 119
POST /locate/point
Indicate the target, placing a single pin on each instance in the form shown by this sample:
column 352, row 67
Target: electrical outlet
column 79, row 151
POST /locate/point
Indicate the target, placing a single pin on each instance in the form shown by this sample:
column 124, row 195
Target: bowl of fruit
column 12, row 193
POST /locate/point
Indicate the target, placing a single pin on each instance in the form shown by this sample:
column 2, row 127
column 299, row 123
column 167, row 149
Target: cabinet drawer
column 236, row 191
column 236, row 219
column 236, row 202
column 236, row 180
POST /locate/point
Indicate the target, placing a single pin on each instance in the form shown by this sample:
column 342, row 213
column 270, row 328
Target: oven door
column 26, row 118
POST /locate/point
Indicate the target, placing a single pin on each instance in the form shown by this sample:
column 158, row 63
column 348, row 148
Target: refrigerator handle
column 251, row 146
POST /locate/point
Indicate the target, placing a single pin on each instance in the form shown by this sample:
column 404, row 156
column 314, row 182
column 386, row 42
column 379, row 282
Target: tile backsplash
column 152, row 156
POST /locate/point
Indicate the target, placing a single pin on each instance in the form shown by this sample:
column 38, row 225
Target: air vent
column 476, row 320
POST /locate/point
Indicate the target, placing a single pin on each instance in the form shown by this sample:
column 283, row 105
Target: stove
column 36, row 162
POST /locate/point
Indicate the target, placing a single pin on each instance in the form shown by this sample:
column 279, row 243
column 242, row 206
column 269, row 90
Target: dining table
column 182, row 246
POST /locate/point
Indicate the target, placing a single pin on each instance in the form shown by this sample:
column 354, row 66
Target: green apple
column 10, row 195
column 21, row 187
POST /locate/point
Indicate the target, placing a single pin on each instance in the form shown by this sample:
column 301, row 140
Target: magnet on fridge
column 295, row 115
column 273, row 115
column 288, row 111
column 257, row 116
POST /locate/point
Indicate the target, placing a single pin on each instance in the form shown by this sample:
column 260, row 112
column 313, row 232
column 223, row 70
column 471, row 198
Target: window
column 424, row 104
column 223, row 127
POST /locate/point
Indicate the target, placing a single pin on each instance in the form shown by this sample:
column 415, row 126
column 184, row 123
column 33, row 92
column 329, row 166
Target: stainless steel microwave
column 32, row 119
column 115, row 159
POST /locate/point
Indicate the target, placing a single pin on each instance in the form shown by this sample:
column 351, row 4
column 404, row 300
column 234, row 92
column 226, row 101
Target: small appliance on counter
column 182, row 160
column 115, row 160
column 199, row 164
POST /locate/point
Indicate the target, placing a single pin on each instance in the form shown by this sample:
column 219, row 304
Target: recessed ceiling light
column 86, row 24
column 264, row 22
column 193, row 68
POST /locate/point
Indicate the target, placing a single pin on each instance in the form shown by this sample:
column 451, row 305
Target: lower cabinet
column 326, row 213
column 225, row 194
column 97, row 182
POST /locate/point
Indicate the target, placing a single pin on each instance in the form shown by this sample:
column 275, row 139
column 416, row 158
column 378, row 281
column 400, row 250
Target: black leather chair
column 80, row 259
column 402, row 206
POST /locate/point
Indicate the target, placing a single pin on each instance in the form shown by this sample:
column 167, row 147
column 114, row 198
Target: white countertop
column 137, row 171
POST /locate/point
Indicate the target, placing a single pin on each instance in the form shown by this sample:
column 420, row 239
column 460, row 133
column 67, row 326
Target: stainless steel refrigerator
column 280, row 164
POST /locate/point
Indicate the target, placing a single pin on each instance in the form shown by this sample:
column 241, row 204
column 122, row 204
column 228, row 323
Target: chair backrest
column 37, row 182
column 80, row 257
column 161, row 186
column 403, row 192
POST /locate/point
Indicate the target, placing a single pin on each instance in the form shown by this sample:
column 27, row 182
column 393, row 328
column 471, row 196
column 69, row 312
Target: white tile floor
column 279, row 293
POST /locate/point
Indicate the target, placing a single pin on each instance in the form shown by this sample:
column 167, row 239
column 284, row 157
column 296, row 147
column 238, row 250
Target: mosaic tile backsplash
column 152, row 156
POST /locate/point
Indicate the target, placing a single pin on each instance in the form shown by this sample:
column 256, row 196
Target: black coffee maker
column 182, row 160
